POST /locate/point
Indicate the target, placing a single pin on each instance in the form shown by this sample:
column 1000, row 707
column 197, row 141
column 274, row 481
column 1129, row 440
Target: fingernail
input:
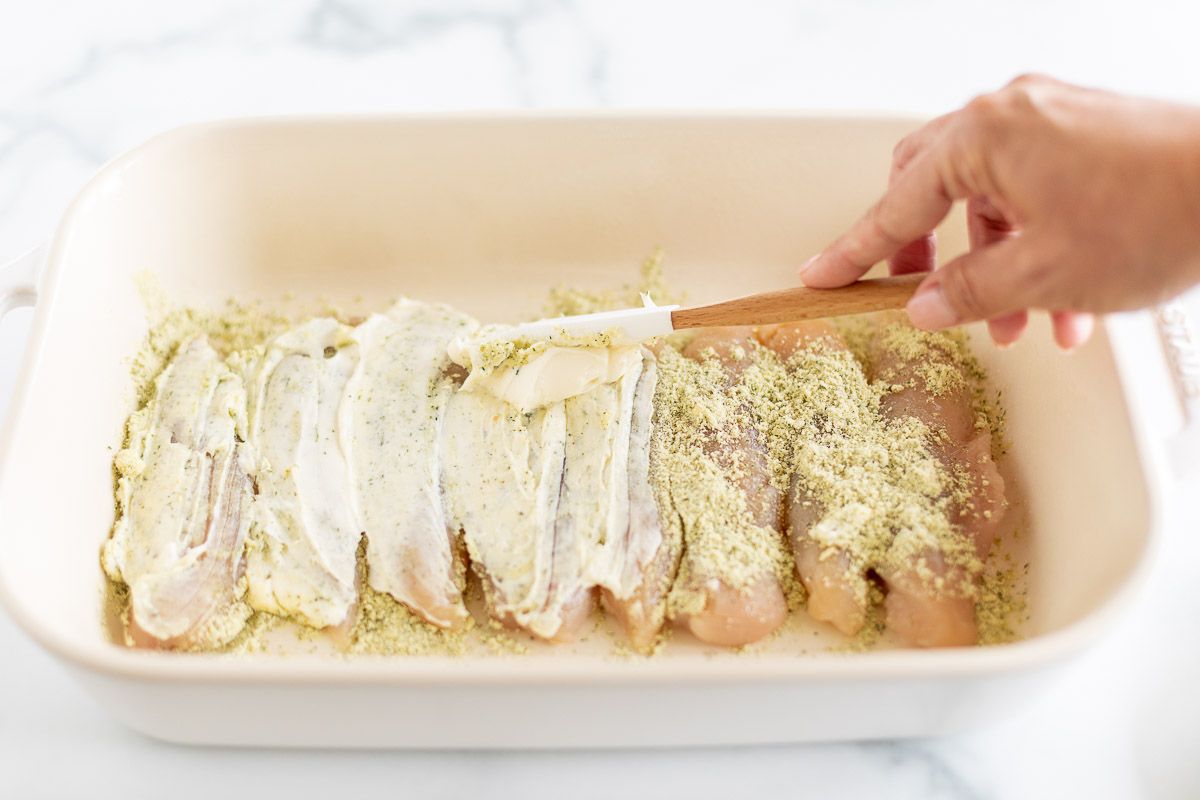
column 804, row 267
column 1077, row 331
column 1069, row 347
column 929, row 310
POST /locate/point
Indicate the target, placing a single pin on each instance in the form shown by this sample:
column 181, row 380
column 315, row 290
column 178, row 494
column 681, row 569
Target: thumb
column 983, row 284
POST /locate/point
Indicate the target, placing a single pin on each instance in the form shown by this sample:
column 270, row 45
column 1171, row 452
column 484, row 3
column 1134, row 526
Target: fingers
column 910, row 209
column 1072, row 328
column 916, row 142
column 986, row 225
column 997, row 283
column 1004, row 275
column 918, row 256
column 921, row 254
column 1007, row 329
column 994, row 281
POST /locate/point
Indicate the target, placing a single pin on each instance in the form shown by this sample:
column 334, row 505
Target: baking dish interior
column 487, row 213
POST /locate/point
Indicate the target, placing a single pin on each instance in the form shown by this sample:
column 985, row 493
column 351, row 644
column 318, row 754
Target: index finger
column 912, row 207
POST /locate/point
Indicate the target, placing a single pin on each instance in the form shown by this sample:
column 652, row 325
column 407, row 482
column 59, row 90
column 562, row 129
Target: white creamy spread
column 301, row 558
column 594, row 507
column 591, row 489
column 630, row 532
column 185, row 498
column 544, row 496
column 532, row 374
column 394, row 414
column 537, row 469
column 502, row 472
column 540, row 458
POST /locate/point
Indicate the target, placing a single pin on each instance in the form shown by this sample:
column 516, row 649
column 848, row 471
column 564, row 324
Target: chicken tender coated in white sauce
column 186, row 498
column 301, row 555
column 502, row 470
column 395, row 411
column 646, row 552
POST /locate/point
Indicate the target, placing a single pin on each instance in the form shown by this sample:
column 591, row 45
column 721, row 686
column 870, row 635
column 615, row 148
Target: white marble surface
column 83, row 81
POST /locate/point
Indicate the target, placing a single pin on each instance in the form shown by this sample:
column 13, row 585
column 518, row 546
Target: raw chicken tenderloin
column 186, row 500
column 733, row 616
column 301, row 558
column 837, row 588
column 645, row 552
column 502, row 474
column 917, row 611
column 394, row 415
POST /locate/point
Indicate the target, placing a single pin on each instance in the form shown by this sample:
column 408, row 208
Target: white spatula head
column 629, row 324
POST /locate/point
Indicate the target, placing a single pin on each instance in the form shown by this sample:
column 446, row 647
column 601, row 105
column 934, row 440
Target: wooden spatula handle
column 801, row 303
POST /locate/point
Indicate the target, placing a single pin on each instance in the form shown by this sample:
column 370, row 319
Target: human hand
column 1078, row 202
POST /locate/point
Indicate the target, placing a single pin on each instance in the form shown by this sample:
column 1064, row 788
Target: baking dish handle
column 18, row 280
column 1181, row 346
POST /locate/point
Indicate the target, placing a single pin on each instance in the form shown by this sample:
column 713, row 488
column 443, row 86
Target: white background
column 80, row 82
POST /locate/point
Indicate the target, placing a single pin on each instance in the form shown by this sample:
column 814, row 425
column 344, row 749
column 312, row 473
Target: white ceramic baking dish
column 486, row 212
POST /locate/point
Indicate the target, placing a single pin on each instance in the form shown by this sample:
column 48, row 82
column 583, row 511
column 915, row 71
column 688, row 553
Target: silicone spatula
column 768, row 308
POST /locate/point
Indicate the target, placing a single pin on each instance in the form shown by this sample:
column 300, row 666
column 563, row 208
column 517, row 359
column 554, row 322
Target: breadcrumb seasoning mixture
column 872, row 475
column 695, row 408
column 881, row 501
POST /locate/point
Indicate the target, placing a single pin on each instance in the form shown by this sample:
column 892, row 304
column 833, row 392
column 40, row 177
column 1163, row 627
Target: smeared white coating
column 544, row 497
column 502, row 473
column 301, row 554
column 544, row 533
column 631, row 531
column 548, row 372
column 396, row 403
column 186, row 501
column 589, row 491
column 594, row 507
column 555, row 374
column 361, row 430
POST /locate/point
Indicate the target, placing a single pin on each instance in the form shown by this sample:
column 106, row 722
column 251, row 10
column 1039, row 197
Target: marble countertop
column 81, row 82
